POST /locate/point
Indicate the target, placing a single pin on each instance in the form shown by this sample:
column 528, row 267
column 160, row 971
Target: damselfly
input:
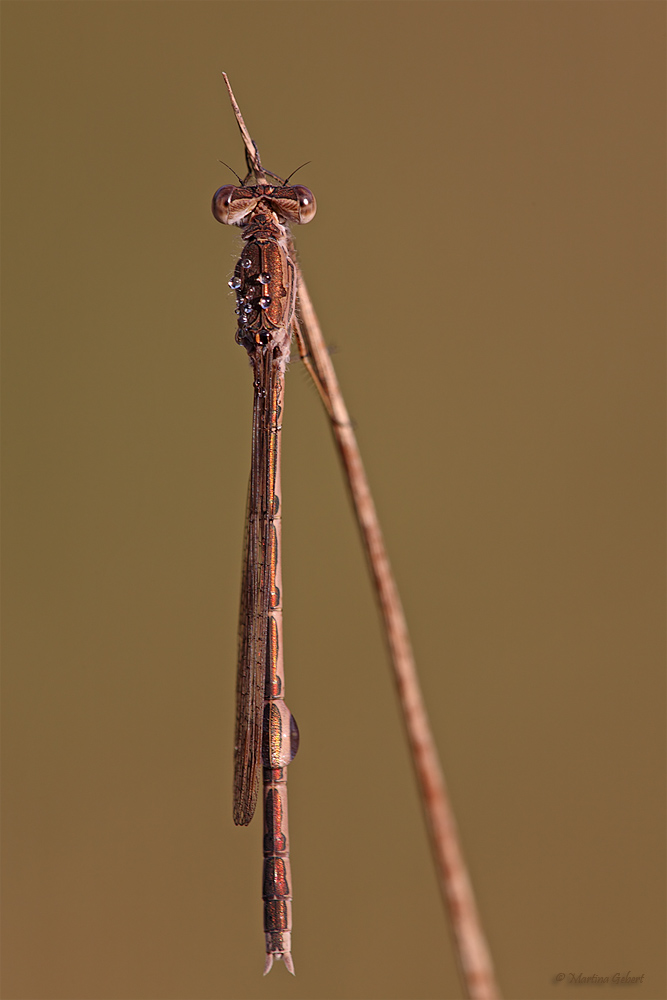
column 267, row 738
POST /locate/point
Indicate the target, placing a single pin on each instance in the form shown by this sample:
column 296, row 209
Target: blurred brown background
column 487, row 260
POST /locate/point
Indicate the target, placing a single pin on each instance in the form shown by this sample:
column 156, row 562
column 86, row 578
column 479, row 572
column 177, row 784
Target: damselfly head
column 232, row 204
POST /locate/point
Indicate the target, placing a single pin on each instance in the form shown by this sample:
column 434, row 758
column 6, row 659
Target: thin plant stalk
column 470, row 943
column 471, row 949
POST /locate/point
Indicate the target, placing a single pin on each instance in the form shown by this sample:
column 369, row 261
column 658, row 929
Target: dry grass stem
column 470, row 943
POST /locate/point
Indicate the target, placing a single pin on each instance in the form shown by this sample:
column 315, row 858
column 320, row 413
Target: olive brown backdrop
column 487, row 263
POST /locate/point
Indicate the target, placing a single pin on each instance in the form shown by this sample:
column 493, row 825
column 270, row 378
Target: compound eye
column 307, row 203
column 221, row 204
